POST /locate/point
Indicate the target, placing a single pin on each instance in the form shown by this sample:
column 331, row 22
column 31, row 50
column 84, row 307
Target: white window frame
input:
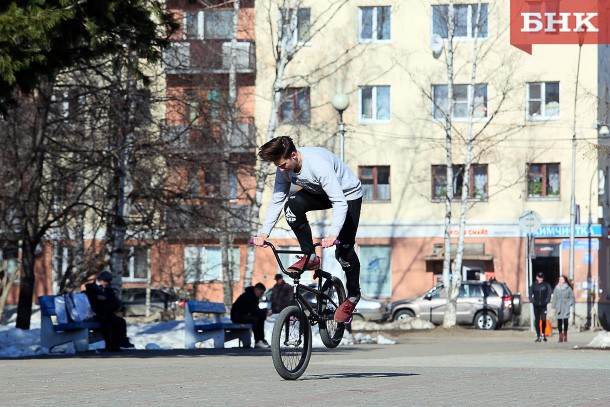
column 131, row 264
column 543, row 114
column 200, row 25
column 374, row 119
column 295, row 35
column 201, row 253
column 374, row 32
column 468, row 96
column 469, row 22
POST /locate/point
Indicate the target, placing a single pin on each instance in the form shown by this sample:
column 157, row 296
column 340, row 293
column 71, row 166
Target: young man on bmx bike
column 326, row 182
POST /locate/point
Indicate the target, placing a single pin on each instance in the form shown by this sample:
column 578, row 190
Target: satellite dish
column 436, row 45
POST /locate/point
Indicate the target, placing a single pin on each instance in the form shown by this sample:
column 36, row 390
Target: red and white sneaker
column 345, row 311
column 313, row 264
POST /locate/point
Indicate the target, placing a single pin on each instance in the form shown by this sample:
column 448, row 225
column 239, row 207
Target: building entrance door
column 547, row 262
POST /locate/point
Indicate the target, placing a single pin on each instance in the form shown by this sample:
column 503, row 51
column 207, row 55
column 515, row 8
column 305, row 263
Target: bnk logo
column 558, row 22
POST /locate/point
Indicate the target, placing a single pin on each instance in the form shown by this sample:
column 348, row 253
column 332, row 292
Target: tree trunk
column 450, row 280
column 32, row 184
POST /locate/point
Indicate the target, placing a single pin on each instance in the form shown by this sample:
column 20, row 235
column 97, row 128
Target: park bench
column 53, row 333
column 221, row 331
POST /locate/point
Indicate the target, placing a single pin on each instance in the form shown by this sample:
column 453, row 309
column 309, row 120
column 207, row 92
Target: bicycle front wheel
column 331, row 332
column 291, row 343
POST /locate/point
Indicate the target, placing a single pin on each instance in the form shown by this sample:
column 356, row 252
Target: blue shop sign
column 583, row 244
column 564, row 231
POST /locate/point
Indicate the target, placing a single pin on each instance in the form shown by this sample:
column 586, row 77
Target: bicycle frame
column 324, row 280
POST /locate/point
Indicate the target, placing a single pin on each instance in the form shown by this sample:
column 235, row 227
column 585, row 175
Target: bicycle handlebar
column 266, row 243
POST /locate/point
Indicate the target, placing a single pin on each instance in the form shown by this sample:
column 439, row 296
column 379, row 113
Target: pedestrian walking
column 563, row 299
column 540, row 296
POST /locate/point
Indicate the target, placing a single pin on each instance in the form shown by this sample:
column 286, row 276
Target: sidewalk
column 463, row 367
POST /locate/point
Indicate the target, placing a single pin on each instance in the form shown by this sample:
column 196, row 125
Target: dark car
column 162, row 300
column 486, row 305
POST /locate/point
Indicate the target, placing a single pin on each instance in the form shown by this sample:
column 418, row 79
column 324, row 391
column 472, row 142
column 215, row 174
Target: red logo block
column 559, row 22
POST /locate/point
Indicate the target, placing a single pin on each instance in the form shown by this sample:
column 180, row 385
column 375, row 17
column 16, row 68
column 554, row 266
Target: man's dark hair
column 260, row 286
column 276, row 148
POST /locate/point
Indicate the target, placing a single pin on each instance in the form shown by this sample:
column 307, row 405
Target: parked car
column 161, row 300
column 486, row 305
column 368, row 309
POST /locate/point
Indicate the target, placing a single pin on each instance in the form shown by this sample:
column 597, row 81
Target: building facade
column 390, row 58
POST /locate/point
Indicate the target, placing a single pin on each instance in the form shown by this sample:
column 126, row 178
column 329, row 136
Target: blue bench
column 53, row 333
column 198, row 330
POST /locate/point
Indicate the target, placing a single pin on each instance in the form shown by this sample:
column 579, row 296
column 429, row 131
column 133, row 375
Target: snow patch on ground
column 601, row 341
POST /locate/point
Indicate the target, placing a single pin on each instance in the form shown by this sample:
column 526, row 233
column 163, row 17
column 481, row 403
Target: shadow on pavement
column 360, row 375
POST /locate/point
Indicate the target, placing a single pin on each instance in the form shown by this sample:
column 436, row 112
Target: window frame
column 130, row 261
column 469, row 22
column 457, row 182
column 374, row 103
column 303, row 16
column 544, row 174
column 202, row 262
column 376, row 185
column 470, row 91
column 374, row 27
column 298, row 116
column 542, row 100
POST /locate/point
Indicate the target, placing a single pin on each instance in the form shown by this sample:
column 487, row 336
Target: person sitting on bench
column 105, row 303
column 245, row 310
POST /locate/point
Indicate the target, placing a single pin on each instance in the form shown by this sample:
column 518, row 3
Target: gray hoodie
column 322, row 172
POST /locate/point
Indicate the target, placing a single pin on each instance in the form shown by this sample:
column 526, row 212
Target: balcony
column 213, row 57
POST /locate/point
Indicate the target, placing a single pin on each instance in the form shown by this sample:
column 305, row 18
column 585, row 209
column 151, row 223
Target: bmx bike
column 291, row 339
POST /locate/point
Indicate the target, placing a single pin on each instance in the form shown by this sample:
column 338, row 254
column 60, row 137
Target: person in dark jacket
column 245, row 310
column 281, row 294
column 104, row 303
column 540, row 296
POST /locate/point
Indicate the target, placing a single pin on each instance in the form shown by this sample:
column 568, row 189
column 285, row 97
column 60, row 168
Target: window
column 478, row 181
column 204, row 264
column 374, row 103
column 136, row 263
column 244, row 55
column 464, row 20
column 175, row 136
column 192, row 25
column 460, row 101
column 177, row 56
column 376, row 273
column 375, row 183
column 542, row 100
column 375, row 24
column 295, row 107
column 543, row 180
column 10, row 261
column 212, row 24
column 302, row 35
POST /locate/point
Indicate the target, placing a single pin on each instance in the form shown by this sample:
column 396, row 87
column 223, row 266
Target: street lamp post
column 581, row 40
column 340, row 103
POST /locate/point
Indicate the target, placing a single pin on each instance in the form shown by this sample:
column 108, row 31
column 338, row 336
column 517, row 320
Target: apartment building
column 390, row 58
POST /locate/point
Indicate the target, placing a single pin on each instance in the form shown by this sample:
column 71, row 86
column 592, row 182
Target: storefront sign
column 546, row 250
column 564, row 231
column 588, row 245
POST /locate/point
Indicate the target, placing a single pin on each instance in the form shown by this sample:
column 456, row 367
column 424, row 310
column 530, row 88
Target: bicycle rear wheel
column 291, row 343
column 331, row 332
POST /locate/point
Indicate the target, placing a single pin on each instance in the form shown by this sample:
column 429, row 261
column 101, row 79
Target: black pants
column 302, row 202
column 540, row 316
column 113, row 329
column 562, row 325
column 257, row 322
